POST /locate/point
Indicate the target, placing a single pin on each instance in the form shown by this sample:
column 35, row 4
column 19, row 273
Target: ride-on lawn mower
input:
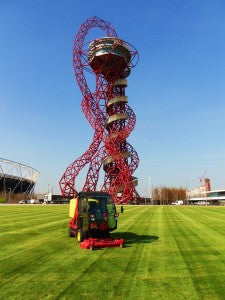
column 92, row 217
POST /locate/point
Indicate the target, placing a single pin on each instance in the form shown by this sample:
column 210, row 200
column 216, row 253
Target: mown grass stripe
column 199, row 266
column 172, row 252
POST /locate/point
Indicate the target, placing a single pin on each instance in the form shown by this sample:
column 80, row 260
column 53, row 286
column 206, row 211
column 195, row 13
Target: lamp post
column 10, row 189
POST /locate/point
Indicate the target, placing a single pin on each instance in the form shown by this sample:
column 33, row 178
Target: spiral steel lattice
column 110, row 59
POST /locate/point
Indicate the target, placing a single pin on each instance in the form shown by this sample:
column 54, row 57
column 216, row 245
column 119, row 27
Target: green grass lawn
column 172, row 252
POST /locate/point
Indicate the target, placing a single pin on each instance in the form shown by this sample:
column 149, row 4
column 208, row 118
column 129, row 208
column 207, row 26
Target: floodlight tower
column 110, row 59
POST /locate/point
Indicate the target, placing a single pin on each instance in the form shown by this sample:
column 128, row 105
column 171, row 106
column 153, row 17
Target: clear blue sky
column 177, row 90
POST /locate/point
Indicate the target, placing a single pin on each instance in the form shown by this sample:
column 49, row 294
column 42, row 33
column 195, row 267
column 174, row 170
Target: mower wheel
column 80, row 235
column 70, row 232
column 123, row 245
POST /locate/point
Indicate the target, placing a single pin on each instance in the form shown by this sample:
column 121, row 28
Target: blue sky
column 177, row 89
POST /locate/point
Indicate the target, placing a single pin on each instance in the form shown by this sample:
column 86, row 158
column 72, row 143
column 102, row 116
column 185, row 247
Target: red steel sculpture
column 110, row 59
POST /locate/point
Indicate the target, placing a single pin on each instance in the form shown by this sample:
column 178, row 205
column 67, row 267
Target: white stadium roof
column 15, row 169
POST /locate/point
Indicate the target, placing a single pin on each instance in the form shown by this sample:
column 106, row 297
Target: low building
column 216, row 197
column 50, row 198
column 203, row 195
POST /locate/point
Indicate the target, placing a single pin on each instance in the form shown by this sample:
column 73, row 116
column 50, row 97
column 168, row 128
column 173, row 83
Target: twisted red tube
column 112, row 121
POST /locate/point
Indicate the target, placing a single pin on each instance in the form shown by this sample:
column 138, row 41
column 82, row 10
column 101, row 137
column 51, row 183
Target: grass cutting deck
column 172, row 252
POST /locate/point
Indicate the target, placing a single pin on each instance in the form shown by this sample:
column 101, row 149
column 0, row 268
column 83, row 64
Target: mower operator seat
column 95, row 209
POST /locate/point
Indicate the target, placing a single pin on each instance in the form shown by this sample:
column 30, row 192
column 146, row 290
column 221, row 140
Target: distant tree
column 10, row 197
column 156, row 196
column 168, row 195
